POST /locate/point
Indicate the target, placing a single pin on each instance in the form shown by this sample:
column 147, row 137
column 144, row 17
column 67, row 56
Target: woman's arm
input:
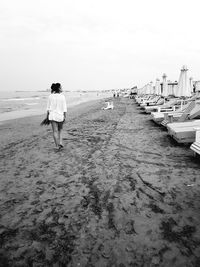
column 47, row 114
column 65, row 115
column 48, row 107
column 64, row 108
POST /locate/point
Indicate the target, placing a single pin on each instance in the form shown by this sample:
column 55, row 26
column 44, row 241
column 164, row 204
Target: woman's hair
column 56, row 88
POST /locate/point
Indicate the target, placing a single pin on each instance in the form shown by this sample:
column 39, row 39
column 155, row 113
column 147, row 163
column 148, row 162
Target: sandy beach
column 120, row 193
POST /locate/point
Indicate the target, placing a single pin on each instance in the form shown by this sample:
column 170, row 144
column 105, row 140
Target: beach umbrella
column 165, row 86
column 157, row 87
column 183, row 88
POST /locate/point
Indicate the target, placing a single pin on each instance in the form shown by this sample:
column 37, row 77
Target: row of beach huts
column 175, row 106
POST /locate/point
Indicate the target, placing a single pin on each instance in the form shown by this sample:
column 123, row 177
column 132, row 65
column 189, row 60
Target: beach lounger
column 109, row 106
column 183, row 132
column 195, row 113
column 152, row 101
column 196, row 145
column 145, row 98
column 172, row 105
column 179, row 117
column 158, row 117
column 161, row 107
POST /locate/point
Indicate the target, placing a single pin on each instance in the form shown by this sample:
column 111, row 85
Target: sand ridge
column 121, row 193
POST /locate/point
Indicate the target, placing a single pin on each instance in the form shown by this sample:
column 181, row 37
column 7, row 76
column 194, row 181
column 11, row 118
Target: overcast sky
column 96, row 44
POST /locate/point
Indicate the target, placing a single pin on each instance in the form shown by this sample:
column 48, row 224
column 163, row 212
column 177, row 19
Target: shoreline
column 120, row 193
column 28, row 112
column 20, row 114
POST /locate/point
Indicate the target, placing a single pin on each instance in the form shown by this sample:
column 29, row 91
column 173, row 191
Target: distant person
column 114, row 95
column 117, row 94
column 56, row 113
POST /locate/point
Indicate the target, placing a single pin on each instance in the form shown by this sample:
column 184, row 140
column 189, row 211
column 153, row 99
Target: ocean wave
column 31, row 104
column 20, row 99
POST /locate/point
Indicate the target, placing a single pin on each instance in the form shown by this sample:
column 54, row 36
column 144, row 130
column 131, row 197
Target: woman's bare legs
column 60, row 127
column 60, row 140
column 55, row 132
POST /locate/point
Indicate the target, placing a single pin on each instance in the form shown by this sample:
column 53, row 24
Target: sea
column 21, row 104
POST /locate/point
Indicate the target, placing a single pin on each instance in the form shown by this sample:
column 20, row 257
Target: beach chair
column 196, row 145
column 158, row 117
column 144, row 98
column 183, row 132
column 151, row 101
column 195, row 113
column 171, row 105
column 161, row 106
column 109, row 105
column 178, row 117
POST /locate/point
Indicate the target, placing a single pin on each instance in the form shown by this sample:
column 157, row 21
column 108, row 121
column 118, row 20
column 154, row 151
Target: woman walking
column 56, row 113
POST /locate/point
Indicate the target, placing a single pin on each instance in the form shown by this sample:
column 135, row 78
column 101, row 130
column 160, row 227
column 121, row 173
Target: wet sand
column 121, row 193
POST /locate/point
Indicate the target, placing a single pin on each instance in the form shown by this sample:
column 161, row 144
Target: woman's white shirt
column 56, row 106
